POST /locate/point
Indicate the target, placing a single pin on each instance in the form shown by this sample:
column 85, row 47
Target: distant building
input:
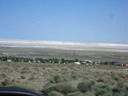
column 126, row 64
column 87, row 62
column 78, row 63
column 9, row 60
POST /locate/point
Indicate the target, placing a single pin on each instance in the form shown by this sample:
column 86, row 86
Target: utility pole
column 74, row 55
column 115, row 59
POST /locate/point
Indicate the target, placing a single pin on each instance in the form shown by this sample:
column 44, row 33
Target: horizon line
column 30, row 40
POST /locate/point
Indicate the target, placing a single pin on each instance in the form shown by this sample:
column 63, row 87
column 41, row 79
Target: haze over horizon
column 87, row 46
column 103, row 21
column 50, row 41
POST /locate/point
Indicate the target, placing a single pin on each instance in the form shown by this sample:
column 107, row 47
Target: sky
column 65, row 20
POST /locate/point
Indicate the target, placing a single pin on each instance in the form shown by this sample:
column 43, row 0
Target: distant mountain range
column 88, row 46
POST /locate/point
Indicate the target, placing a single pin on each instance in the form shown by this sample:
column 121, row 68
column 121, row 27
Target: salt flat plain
column 87, row 46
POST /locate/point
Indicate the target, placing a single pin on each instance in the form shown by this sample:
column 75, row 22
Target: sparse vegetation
column 64, row 88
column 59, row 79
column 68, row 80
column 65, row 79
column 85, row 86
column 76, row 94
column 55, row 93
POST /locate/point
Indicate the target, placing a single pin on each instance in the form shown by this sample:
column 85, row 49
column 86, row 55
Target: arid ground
column 103, row 80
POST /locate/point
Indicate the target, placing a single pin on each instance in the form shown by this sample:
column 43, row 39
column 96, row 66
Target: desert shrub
column 120, row 89
column 110, row 82
column 100, row 92
column 114, row 76
column 76, row 94
column 103, row 90
column 25, row 70
column 55, row 93
column 32, row 78
column 105, row 86
column 59, row 79
column 11, row 83
column 126, row 92
column 47, row 85
column 120, row 84
column 89, row 94
column 85, row 86
column 3, row 75
column 118, row 92
column 75, row 75
column 7, row 82
column 64, row 88
column 107, row 94
column 22, row 77
column 88, row 77
column 101, row 79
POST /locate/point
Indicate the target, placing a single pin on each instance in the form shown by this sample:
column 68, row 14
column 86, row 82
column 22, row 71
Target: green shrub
column 103, row 90
column 62, row 87
column 104, row 86
column 101, row 79
column 100, row 92
column 7, row 82
column 114, row 76
column 89, row 94
column 47, row 85
column 120, row 89
column 88, row 77
column 85, row 86
column 58, row 79
column 75, row 76
column 25, row 70
column 120, row 84
column 76, row 94
column 108, row 94
column 54, row 93
column 110, row 82
column 65, row 88
column 126, row 92
column 23, row 77
column 118, row 92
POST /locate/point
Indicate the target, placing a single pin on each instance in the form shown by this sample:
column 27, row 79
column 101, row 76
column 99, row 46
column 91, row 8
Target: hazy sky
column 65, row 20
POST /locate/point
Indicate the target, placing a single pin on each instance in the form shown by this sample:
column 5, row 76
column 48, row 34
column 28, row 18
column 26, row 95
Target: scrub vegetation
column 65, row 79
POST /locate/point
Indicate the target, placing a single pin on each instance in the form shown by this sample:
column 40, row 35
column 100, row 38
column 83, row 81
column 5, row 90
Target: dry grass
column 35, row 76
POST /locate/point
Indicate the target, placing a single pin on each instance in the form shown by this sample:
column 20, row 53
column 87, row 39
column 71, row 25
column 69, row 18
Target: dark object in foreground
column 10, row 91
